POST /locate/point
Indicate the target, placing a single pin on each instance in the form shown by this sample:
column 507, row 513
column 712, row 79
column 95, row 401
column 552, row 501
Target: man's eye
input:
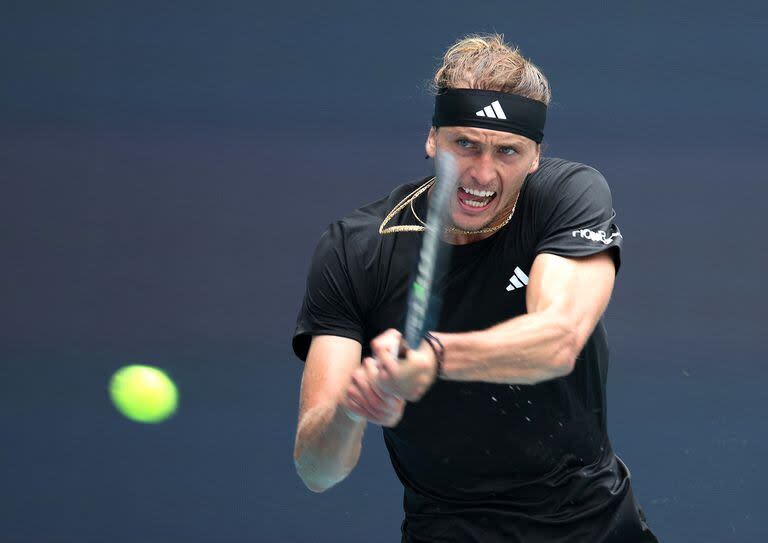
column 509, row 151
column 463, row 143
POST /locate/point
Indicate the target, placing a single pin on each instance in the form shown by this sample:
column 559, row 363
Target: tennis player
column 496, row 424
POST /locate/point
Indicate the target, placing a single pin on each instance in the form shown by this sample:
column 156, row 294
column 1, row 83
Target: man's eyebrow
column 467, row 136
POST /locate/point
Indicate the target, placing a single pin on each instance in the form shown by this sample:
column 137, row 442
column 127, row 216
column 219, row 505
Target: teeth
column 477, row 203
column 482, row 193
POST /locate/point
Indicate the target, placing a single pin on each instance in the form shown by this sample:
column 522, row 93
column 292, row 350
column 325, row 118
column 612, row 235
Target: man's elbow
column 314, row 485
column 320, row 475
column 311, row 479
column 568, row 347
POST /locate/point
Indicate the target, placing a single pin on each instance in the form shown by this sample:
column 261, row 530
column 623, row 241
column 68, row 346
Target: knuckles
column 385, row 341
column 408, row 379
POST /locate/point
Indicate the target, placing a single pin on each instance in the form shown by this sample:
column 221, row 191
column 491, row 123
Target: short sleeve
column 330, row 304
column 577, row 217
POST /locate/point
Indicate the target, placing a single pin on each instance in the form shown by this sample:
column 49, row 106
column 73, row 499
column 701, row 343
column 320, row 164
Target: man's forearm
column 524, row 350
column 328, row 444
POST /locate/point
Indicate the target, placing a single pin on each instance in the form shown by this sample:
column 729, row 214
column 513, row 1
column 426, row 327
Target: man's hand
column 364, row 399
column 409, row 377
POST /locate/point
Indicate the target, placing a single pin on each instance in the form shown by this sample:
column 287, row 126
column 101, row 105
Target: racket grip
column 402, row 349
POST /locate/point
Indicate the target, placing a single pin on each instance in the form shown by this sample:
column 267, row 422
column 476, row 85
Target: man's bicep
column 577, row 289
column 327, row 371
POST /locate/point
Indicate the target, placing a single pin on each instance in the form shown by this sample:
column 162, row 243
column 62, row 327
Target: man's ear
column 430, row 146
column 535, row 163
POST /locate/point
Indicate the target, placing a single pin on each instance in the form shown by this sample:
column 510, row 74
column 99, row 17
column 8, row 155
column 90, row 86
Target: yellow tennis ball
column 143, row 393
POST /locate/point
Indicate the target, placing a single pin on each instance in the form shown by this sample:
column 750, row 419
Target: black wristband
column 439, row 350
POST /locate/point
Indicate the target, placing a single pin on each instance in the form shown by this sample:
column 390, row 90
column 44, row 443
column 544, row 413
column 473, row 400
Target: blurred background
column 166, row 169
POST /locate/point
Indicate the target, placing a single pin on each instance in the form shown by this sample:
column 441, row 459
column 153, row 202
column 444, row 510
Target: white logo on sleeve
column 493, row 111
column 600, row 235
column 519, row 280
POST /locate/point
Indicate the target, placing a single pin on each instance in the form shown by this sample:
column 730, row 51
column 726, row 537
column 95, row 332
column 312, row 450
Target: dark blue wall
column 167, row 167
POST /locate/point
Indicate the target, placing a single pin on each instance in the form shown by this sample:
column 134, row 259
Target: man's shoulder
column 557, row 180
column 358, row 231
column 555, row 171
column 366, row 219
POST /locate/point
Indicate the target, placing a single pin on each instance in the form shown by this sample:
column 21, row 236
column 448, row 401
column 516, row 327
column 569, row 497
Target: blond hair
column 487, row 63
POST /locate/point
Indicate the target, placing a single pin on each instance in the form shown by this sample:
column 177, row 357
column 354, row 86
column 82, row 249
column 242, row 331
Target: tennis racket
column 422, row 308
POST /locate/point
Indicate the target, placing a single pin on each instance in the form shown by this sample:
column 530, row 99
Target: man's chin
column 472, row 221
column 471, row 225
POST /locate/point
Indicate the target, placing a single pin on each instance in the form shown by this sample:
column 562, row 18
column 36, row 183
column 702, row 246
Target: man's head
column 496, row 144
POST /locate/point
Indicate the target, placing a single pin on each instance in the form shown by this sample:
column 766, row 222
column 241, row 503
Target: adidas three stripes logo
column 493, row 111
column 519, row 280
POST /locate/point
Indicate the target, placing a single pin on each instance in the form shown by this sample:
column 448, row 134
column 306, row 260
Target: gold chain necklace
column 408, row 201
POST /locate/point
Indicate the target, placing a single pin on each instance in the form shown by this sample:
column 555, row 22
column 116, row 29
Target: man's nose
column 484, row 170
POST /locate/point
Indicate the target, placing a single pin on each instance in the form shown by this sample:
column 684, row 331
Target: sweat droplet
column 494, row 398
column 528, row 419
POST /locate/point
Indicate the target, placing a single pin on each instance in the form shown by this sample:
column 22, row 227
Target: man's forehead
column 486, row 135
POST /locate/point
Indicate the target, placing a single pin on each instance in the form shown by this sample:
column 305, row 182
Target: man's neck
column 466, row 237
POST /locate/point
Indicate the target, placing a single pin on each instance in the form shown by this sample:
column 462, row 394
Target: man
column 496, row 425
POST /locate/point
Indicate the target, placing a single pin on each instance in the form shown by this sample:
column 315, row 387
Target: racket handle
column 402, row 349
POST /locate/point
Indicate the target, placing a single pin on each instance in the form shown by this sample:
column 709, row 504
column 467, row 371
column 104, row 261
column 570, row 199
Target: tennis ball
column 143, row 393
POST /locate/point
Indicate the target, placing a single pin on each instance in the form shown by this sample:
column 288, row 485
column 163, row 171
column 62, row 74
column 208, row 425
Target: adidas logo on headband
column 493, row 111
column 483, row 109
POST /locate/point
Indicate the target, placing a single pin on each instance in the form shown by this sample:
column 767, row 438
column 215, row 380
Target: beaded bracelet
column 439, row 350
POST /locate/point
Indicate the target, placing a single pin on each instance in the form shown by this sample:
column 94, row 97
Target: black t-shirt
column 480, row 461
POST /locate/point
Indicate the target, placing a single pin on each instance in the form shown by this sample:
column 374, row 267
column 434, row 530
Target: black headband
column 492, row 110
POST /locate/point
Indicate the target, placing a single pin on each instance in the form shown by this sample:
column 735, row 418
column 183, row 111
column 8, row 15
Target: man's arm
column 337, row 396
column 565, row 299
column 328, row 441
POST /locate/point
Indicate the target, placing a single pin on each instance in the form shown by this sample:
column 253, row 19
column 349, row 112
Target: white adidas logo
column 493, row 111
column 519, row 280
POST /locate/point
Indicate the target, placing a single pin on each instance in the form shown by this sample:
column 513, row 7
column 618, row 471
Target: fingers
column 397, row 374
column 387, row 377
column 410, row 377
column 358, row 405
column 364, row 381
column 373, row 376
column 387, row 343
column 352, row 410
column 402, row 372
column 367, row 399
column 385, row 352
column 385, row 417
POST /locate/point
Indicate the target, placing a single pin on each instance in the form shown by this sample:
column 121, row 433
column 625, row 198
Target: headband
column 492, row 110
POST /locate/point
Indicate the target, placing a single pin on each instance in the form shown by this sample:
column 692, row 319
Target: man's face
column 492, row 167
